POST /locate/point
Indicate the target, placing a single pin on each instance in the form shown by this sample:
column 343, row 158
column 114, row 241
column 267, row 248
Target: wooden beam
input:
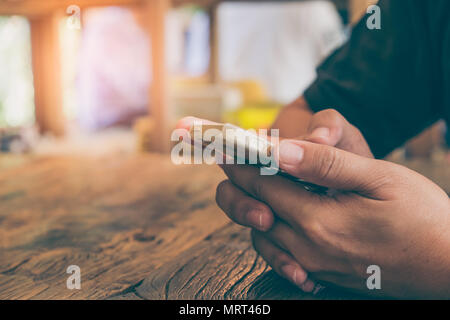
column 159, row 93
column 213, row 45
column 203, row 3
column 32, row 8
column 47, row 72
column 40, row 7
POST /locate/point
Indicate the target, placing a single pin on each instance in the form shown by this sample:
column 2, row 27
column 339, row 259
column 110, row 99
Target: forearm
column 293, row 120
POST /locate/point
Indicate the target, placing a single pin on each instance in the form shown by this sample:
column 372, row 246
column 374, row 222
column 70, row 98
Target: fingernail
column 323, row 133
column 294, row 273
column 255, row 219
column 290, row 153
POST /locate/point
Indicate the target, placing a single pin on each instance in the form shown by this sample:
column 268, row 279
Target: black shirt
column 394, row 82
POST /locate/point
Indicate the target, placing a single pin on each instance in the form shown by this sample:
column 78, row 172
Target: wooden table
column 137, row 226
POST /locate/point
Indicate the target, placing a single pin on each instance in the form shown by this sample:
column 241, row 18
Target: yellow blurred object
column 257, row 110
column 252, row 91
column 254, row 116
column 252, row 109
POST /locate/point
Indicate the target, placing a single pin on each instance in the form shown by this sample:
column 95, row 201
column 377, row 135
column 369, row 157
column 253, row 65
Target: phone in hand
column 244, row 147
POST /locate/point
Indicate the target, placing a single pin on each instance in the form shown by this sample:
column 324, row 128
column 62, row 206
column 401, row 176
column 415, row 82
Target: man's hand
column 383, row 214
column 327, row 127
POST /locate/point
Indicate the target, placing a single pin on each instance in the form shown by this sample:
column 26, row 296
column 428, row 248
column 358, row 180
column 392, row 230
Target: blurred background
column 112, row 76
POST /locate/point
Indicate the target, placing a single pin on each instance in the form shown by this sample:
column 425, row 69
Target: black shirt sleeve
column 384, row 81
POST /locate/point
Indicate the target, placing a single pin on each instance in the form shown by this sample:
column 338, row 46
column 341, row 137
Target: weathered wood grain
column 118, row 219
column 222, row 266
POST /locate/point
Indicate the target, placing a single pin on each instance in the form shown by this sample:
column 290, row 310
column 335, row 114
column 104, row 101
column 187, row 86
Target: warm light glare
column 16, row 78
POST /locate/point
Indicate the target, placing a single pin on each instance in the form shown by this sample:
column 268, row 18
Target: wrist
column 293, row 119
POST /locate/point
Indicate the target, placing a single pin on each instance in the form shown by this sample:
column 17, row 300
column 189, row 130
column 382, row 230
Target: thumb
column 329, row 127
column 329, row 167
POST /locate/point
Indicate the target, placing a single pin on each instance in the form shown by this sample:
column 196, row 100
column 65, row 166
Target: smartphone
column 244, row 147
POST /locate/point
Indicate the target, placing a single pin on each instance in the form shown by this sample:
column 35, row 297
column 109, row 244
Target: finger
column 329, row 127
column 330, row 167
column 295, row 242
column 283, row 196
column 243, row 209
column 317, row 262
column 326, row 127
column 282, row 262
